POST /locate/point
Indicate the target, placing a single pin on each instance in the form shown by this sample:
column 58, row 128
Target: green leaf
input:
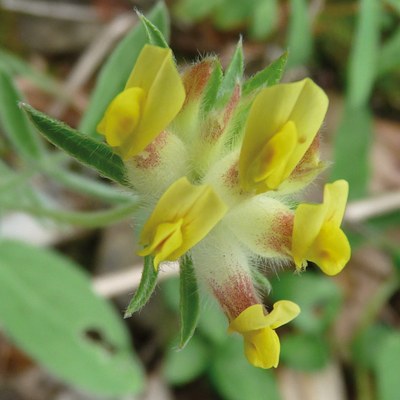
column 305, row 352
column 212, row 88
column 233, row 76
column 85, row 149
column 318, row 297
column 181, row 367
column 267, row 77
column 235, row 379
column 115, row 72
column 389, row 56
column 16, row 124
column 146, row 287
column 299, row 40
column 89, row 187
column 93, row 219
column 189, row 303
column 48, row 308
column 230, row 14
column 154, row 35
column 364, row 54
column 264, row 19
column 388, row 367
column 352, row 150
column 212, row 322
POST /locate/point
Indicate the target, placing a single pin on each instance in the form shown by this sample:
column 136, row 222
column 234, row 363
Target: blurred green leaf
column 154, row 35
column 194, row 10
column 267, row 77
column 48, row 308
column 395, row 4
column 318, row 297
column 352, row 146
column 368, row 345
column 170, row 292
column 364, row 55
column 115, row 72
column 14, row 65
column 16, row 125
column 388, row 367
column 305, row 352
column 212, row 322
column 230, row 14
column 264, row 19
column 85, row 149
column 389, row 55
column 235, row 379
column 233, row 75
column 189, row 300
column 299, row 41
column 212, row 88
column 146, row 287
column 87, row 219
column 183, row 366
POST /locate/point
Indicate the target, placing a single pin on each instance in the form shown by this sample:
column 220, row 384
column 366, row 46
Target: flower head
column 217, row 173
column 261, row 343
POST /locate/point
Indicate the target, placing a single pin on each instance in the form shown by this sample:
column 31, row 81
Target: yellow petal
column 283, row 312
column 262, row 348
column 155, row 72
column 268, row 169
column 252, row 318
column 195, row 210
column 303, row 103
column 335, row 197
column 330, row 250
column 122, row 116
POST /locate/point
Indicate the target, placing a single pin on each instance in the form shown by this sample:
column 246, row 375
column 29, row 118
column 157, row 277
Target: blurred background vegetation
column 65, row 232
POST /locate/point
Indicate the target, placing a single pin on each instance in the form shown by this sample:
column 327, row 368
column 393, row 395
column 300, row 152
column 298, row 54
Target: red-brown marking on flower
column 195, row 79
column 150, row 157
column 309, row 160
column 231, row 176
column 235, row 295
column 231, row 106
column 281, row 240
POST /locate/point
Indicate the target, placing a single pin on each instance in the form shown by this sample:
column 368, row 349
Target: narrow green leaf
column 16, row 125
column 154, row 35
column 352, row 145
column 181, row 367
column 235, row 379
column 193, row 10
column 364, row 54
column 189, row 303
column 267, row 77
column 299, row 42
column 146, row 287
column 305, row 352
column 48, row 308
column 88, row 151
column 230, row 14
column 232, row 77
column 93, row 219
column 212, row 88
column 387, row 368
column 88, row 187
column 115, row 72
column 389, row 56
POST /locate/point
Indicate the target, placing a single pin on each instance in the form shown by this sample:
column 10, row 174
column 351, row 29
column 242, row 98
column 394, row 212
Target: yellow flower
column 261, row 342
column 281, row 126
column 152, row 97
column 317, row 236
column 182, row 217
